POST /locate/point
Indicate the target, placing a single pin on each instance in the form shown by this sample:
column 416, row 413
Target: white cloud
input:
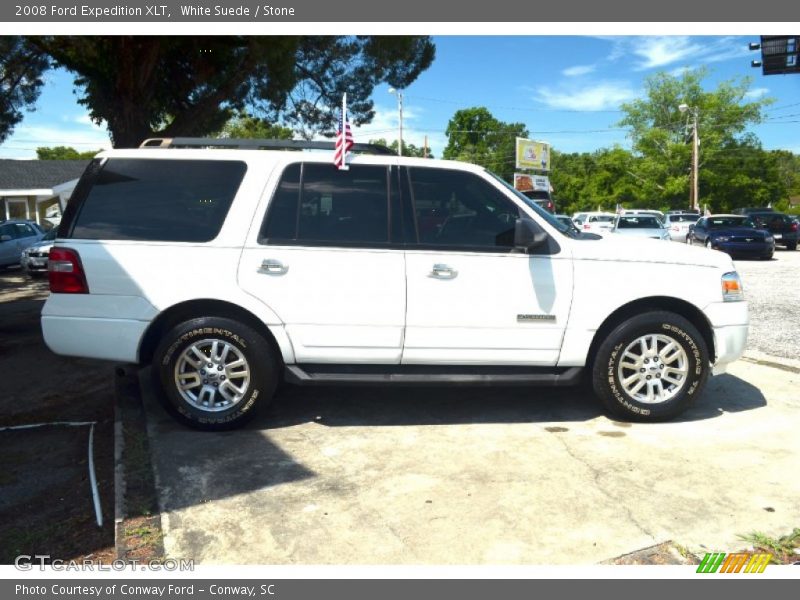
column 653, row 52
column 680, row 71
column 26, row 138
column 604, row 95
column 756, row 93
column 578, row 70
column 660, row 51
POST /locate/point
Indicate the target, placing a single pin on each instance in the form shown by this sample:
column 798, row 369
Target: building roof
column 38, row 174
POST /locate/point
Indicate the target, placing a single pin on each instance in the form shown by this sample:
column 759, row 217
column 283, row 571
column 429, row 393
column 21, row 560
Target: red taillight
column 676, row 228
column 65, row 271
column 794, row 227
column 586, row 226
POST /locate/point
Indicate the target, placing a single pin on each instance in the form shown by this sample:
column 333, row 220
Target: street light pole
column 399, row 95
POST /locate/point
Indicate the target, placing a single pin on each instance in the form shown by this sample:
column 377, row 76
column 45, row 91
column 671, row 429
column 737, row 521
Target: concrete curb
column 769, row 360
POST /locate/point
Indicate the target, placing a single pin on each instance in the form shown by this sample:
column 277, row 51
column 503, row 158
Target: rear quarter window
column 155, row 200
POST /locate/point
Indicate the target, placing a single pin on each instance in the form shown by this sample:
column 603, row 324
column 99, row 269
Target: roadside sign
column 533, row 155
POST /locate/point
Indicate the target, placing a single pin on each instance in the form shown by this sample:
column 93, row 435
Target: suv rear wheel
column 651, row 367
column 212, row 373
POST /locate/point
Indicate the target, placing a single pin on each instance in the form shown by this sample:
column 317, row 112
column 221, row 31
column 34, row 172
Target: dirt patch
column 667, row 553
column 45, row 497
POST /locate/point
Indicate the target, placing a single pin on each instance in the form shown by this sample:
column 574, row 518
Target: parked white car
column 640, row 225
column 597, row 222
column 34, row 258
column 644, row 211
column 677, row 225
column 229, row 269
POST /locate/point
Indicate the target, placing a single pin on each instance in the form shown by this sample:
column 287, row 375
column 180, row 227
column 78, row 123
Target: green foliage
column 144, row 86
column 63, row 153
column 475, row 135
column 408, row 149
column 661, row 136
column 734, row 170
column 21, row 69
column 246, row 126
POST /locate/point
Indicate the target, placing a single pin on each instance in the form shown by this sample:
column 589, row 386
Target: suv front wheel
column 651, row 367
column 212, row 373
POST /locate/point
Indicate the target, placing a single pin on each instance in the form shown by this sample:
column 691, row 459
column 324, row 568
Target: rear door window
column 156, row 200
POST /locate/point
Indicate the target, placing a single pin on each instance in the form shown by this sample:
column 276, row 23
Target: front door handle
column 441, row 271
column 273, row 267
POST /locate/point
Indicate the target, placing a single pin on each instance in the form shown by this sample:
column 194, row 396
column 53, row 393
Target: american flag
column 344, row 138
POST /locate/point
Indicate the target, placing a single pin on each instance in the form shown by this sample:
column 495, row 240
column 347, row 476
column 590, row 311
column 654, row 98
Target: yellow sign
column 533, row 155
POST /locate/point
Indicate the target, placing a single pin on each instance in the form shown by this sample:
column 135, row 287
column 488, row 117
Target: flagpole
column 344, row 166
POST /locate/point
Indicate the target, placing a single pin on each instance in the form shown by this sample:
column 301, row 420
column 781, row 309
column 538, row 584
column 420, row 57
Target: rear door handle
column 273, row 267
column 441, row 271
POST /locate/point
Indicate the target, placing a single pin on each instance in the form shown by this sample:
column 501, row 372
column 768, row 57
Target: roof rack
column 258, row 144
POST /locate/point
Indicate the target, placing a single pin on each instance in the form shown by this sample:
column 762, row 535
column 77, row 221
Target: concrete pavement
column 479, row 476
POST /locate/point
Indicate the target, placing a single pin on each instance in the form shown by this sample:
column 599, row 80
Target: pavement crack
column 596, row 476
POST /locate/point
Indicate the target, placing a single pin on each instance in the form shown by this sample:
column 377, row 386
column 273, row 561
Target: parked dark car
column 782, row 227
column 750, row 210
column 736, row 235
column 542, row 198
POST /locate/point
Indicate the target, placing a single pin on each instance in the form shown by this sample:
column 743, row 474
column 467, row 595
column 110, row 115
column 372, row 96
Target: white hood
column 635, row 249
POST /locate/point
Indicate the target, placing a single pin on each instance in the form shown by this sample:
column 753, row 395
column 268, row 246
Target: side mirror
column 5, row 238
column 528, row 235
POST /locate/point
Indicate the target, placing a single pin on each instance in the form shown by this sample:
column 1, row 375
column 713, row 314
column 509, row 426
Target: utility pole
column 694, row 199
column 695, row 163
column 399, row 95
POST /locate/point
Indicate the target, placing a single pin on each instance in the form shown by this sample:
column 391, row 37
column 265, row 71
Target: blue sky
column 567, row 90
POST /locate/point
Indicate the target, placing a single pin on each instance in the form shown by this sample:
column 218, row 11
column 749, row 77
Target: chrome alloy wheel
column 212, row 375
column 653, row 368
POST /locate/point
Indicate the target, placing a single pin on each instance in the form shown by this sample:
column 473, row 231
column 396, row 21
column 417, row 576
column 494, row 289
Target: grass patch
column 782, row 549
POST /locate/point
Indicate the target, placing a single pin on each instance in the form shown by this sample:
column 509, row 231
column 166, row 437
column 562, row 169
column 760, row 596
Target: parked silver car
column 34, row 258
column 640, row 225
column 15, row 236
column 677, row 225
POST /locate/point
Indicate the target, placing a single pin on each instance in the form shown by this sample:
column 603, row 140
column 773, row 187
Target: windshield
column 540, row 212
column 719, row 222
column 50, row 235
column 601, row 218
column 638, row 222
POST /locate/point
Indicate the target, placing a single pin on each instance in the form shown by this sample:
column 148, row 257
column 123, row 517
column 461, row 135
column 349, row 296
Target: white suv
column 228, row 269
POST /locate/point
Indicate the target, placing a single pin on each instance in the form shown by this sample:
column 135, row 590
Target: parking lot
column 421, row 475
column 500, row 475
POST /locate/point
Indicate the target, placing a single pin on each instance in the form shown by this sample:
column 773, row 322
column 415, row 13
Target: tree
column 408, row 149
column 191, row 85
column 21, row 69
column 247, row 126
column 63, row 153
column 660, row 134
column 475, row 135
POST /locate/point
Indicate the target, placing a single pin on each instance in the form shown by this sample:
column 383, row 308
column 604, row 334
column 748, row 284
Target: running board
column 330, row 374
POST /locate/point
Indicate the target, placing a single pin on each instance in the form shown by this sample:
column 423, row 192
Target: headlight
column 722, row 238
column 732, row 289
column 769, row 239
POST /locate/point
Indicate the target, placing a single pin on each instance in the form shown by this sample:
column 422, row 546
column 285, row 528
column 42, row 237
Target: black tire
column 261, row 359
column 791, row 246
column 708, row 244
column 606, row 372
